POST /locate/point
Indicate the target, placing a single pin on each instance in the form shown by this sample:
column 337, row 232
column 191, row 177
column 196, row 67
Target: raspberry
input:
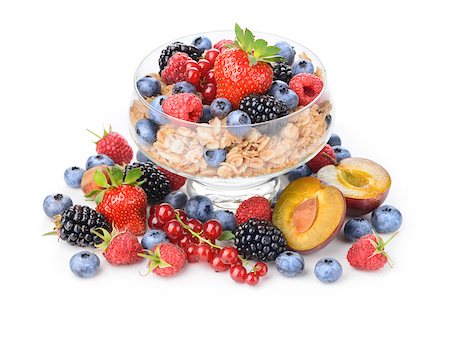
column 255, row 207
column 324, row 158
column 115, row 146
column 184, row 106
column 367, row 253
column 176, row 181
column 306, row 86
column 166, row 259
column 175, row 69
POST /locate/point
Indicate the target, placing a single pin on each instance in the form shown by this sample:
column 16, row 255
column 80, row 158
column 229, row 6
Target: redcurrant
column 154, row 223
column 164, row 212
column 211, row 55
column 173, row 229
column 238, row 273
column 252, row 279
column 191, row 255
column 204, row 66
column 192, row 75
column 203, row 252
column 212, row 229
column 261, row 269
column 218, row 265
column 182, row 215
column 195, row 225
column 228, row 255
column 209, row 93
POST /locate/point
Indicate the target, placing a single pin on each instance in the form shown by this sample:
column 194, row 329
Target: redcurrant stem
column 197, row 235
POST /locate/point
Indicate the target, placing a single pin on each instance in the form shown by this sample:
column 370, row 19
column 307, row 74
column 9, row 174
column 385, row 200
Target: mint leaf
column 226, row 235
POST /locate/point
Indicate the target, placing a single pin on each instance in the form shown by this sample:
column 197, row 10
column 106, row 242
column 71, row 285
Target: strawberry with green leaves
column 244, row 68
column 122, row 201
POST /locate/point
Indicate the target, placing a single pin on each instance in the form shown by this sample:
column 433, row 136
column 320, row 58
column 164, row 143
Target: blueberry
column 206, row 115
column 146, row 131
column 328, row 270
column 73, row 176
column 334, row 140
column 290, row 263
column 214, row 157
column 341, row 153
column 286, row 51
column 302, row 66
column 357, row 228
column 202, row 43
column 84, row 264
column 280, row 90
column 155, row 112
column 386, row 219
column 226, row 219
column 176, row 199
column 299, row 172
column 148, row 86
column 56, row 204
column 200, row 208
column 97, row 160
column 141, row 157
column 152, row 238
column 221, row 107
column 240, row 121
column 183, row 88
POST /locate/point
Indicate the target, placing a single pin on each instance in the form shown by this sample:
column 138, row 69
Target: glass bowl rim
column 181, row 122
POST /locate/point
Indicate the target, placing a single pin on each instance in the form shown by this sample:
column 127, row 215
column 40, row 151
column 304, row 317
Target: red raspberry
column 367, row 253
column 307, row 87
column 184, row 106
column 255, row 207
column 166, row 259
column 120, row 248
column 175, row 69
column 115, row 146
column 176, row 181
column 324, row 158
column 222, row 44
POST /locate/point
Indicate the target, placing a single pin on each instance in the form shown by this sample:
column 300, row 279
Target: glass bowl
column 257, row 154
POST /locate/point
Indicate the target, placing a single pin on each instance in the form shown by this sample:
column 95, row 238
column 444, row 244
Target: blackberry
column 77, row 223
column 156, row 185
column 282, row 71
column 262, row 108
column 259, row 240
column 176, row 47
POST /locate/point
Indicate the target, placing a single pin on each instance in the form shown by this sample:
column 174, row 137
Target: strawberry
column 367, row 253
column 176, row 181
column 324, row 158
column 166, row 259
column 122, row 201
column 120, row 247
column 175, row 69
column 256, row 207
column 244, row 69
column 115, row 146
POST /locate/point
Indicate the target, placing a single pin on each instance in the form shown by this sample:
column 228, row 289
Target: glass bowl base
column 229, row 198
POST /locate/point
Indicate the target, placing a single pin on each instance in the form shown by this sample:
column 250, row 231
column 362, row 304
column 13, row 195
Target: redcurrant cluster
column 201, row 74
column 198, row 240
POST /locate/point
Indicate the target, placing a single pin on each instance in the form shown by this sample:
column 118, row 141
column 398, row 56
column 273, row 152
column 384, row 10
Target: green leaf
column 133, row 175
column 260, row 47
column 51, row 233
column 240, row 37
column 253, row 61
column 116, row 175
column 226, row 235
column 100, row 179
column 249, row 41
column 99, row 197
column 272, row 50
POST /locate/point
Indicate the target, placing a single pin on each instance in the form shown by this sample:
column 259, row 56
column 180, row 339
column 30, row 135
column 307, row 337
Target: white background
column 67, row 66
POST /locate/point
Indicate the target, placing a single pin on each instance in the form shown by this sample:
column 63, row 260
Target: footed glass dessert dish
column 236, row 149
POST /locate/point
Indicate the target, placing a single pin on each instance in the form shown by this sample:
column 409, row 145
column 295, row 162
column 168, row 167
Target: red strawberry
column 122, row 201
column 115, row 146
column 244, row 70
column 120, row 247
column 175, row 69
column 256, row 207
column 184, row 106
column 307, row 87
column 165, row 259
column 367, row 253
column 222, row 44
column 176, row 181
column 324, row 158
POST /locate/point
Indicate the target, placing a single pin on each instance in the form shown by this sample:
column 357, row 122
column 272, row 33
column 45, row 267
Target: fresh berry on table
column 334, row 140
column 176, row 199
column 56, row 204
column 199, row 207
column 328, row 270
column 84, row 264
column 324, row 158
column 257, row 207
column 386, row 219
column 226, row 219
column 73, row 176
column 299, row 172
column 341, row 153
column 357, row 228
column 165, row 259
column 152, row 238
column 115, row 146
column 290, row 263
column 98, row 160
column 176, row 181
